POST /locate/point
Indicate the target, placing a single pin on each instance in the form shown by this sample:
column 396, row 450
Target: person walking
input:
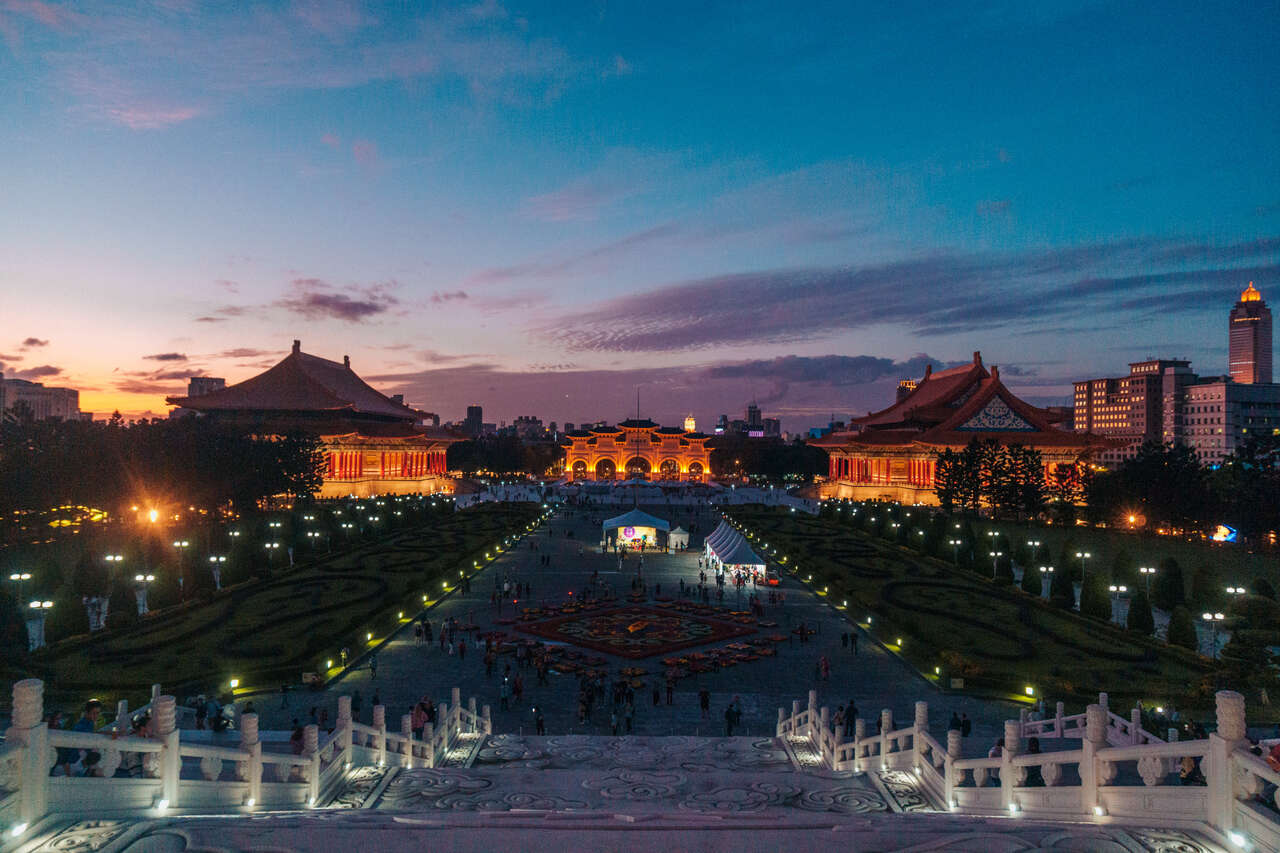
column 540, row 722
column 966, row 725
column 728, row 720
column 504, row 695
column 613, row 722
column 462, row 650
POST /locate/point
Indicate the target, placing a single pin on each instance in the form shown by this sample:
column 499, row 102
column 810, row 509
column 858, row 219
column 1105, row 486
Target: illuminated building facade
column 890, row 454
column 1249, row 341
column 637, row 449
column 1127, row 408
column 372, row 444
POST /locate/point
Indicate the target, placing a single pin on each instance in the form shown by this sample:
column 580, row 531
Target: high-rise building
column 474, row 424
column 1130, row 408
column 722, row 425
column 1249, row 341
column 753, row 417
column 690, row 425
column 772, row 427
column 39, row 402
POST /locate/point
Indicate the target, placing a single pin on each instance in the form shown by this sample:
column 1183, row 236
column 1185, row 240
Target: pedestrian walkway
column 407, row 671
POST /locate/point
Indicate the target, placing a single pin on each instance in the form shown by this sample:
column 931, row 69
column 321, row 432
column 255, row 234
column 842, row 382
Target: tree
column 122, row 611
column 1262, row 587
column 1061, row 591
column 1167, row 481
column 1123, row 568
column 1095, row 601
column 1140, row 619
column 13, row 630
column 1004, row 570
column 948, row 479
column 1168, row 591
column 1206, row 590
column 1066, row 490
column 1245, row 485
column 67, row 618
column 1031, row 581
column 1182, row 629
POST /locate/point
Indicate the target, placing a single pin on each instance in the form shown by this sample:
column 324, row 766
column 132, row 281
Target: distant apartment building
column 474, row 424
column 1249, row 341
column 1215, row 415
column 41, row 402
column 1129, row 408
column 772, row 427
column 198, row 386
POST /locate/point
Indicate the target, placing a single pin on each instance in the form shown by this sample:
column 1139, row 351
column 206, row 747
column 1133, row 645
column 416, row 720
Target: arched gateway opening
column 638, row 466
column 606, row 470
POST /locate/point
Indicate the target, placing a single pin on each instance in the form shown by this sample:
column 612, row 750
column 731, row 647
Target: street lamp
column 182, row 545
column 1236, row 590
column 995, row 555
column 1213, row 619
column 215, row 566
column 1147, row 572
column 20, row 578
column 140, row 594
column 1082, row 556
column 955, row 549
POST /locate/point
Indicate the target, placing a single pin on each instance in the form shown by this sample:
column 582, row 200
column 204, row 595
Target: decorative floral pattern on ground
column 359, row 783
column 83, row 836
column 905, row 789
column 634, row 632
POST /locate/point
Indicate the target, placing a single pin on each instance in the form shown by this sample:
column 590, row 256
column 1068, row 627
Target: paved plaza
column 873, row 678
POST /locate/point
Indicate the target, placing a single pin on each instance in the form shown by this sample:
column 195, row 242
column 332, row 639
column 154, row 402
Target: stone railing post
column 406, row 732
column 1012, row 742
column 1102, row 700
column 782, row 715
column 950, row 780
column 251, row 770
column 859, row 735
column 920, row 726
column 1095, row 738
column 795, row 712
column 164, row 719
column 122, row 717
column 380, row 739
column 28, row 728
column 446, row 723
column 1024, row 717
column 1229, row 737
column 311, row 749
column 1135, row 725
column 488, row 720
column 813, row 713
column 886, row 723
column 429, row 742
column 343, row 724
column 823, row 738
column 473, row 720
column 1058, row 723
column 155, row 692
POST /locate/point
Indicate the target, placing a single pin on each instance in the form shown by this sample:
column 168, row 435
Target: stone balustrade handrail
column 102, row 740
column 1177, row 749
column 1227, row 778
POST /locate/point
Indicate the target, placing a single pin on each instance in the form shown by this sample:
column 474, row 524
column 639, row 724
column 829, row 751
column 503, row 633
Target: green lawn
column 996, row 638
column 267, row 632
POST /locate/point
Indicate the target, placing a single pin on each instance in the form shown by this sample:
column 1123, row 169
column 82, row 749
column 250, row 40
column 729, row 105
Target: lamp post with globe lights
column 1046, row 579
column 995, row 557
column 182, row 545
column 1213, row 619
column 955, row 549
column 20, row 578
column 37, row 611
column 140, row 591
column 1147, row 572
column 216, row 561
column 1083, row 557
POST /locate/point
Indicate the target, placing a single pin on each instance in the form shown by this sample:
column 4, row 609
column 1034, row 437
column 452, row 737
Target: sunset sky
column 543, row 207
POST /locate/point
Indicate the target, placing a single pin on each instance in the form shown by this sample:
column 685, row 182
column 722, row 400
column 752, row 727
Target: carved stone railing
column 166, row 772
column 1120, row 771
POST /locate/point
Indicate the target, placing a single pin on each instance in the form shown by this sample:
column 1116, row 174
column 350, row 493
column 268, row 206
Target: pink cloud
column 365, row 152
column 332, row 140
column 141, row 117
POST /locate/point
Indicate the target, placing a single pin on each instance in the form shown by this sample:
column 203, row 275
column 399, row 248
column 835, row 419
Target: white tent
column 636, row 526
column 678, row 539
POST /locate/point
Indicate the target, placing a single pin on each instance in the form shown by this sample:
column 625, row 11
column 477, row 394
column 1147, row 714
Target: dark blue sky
column 541, row 206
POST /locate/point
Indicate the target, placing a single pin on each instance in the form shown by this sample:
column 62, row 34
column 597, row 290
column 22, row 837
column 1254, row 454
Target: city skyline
column 542, row 208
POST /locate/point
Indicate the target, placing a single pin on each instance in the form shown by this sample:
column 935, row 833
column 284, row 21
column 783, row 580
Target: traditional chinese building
column 373, row 444
column 889, row 455
column 637, row 449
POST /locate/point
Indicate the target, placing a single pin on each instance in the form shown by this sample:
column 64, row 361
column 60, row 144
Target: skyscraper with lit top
column 1249, row 346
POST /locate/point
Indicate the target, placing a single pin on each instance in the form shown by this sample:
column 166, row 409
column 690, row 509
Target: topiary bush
column 1182, row 630
column 1140, row 619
